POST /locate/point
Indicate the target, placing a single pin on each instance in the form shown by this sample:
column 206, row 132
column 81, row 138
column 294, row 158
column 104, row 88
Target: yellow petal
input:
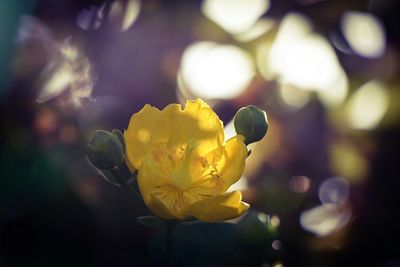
column 154, row 171
column 219, row 208
column 231, row 165
column 151, row 176
column 231, row 162
column 146, row 129
column 196, row 122
column 157, row 206
column 163, row 198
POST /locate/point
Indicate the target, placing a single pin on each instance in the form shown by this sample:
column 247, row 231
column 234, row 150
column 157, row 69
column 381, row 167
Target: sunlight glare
column 324, row 220
column 125, row 13
column 57, row 83
column 337, row 95
column 240, row 185
column 275, row 221
column 348, row 161
column 364, row 33
column 262, row 217
column 90, row 18
column 302, row 58
column 368, row 105
column 334, row 191
column 235, row 16
column 229, row 130
column 67, row 70
column 294, row 97
column 276, row 244
column 211, row 70
column 261, row 27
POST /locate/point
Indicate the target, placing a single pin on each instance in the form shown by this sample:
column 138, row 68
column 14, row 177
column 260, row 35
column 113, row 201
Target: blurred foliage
column 218, row 244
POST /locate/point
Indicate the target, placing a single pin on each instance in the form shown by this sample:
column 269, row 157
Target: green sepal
column 120, row 136
column 109, row 177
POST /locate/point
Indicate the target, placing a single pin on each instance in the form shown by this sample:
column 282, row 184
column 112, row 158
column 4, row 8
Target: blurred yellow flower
column 184, row 166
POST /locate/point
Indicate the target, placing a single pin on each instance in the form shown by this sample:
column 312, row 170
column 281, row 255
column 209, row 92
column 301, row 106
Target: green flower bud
column 120, row 136
column 105, row 150
column 252, row 123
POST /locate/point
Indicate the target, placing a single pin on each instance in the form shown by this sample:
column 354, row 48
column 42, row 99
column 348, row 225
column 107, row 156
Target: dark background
column 56, row 211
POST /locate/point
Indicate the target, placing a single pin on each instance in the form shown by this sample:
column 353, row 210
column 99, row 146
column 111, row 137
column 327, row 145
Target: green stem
column 171, row 226
column 122, row 181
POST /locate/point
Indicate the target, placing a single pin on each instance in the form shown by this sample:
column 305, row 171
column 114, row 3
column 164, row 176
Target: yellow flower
column 184, row 166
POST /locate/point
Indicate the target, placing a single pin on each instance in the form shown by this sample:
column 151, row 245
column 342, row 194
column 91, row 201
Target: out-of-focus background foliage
column 326, row 177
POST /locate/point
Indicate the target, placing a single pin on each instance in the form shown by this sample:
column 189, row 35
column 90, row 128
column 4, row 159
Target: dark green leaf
column 150, row 221
column 254, row 233
column 198, row 244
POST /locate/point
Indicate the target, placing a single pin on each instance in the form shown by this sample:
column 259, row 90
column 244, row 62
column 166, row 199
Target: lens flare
column 60, row 79
column 229, row 130
column 275, row 221
column 235, row 16
column 294, row 97
column 334, row 191
column 303, row 59
column 324, row 220
column 337, row 95
column 348, row 161
column 299, row 184
column 364, row 33
column 276, row 244
column 68, row 70
column 124, row 13
column 261, row 27
column 262, row 217
column 368, row 105
column 46, row 121
column 91, row 18
column 210, row 70
column 68, row 134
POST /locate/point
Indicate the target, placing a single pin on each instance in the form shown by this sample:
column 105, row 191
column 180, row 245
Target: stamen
column 177, row 188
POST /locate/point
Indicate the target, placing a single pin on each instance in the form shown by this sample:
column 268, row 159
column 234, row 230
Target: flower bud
column 105, row 150
column 252, row 123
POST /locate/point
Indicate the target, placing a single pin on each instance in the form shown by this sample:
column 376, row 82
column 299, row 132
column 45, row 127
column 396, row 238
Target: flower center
column 181, row 177
column 187, row 177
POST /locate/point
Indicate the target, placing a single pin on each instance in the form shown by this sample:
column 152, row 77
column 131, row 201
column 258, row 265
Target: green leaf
column 278, row 198
column 253, row 233
column 246, row 243
column 197, row 244
column 149, row 221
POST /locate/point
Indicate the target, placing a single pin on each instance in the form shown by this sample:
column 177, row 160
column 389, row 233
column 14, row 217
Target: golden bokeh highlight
column 214, row 71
